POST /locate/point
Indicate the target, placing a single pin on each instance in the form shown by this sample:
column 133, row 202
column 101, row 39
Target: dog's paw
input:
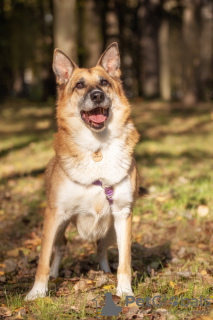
column 104, row 265
column 38, row 291
column 123, row 292
column 106, row 269
column 53, row 273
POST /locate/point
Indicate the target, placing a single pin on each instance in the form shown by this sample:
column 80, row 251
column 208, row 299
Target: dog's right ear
column 63, row 67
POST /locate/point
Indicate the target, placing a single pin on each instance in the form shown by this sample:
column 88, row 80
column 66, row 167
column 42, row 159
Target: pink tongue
column 97, row 118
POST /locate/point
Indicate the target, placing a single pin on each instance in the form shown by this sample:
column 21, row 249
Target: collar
column 109, row 191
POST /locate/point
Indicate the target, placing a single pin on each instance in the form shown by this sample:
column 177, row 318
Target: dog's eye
column 80, row 85
column 104, row 82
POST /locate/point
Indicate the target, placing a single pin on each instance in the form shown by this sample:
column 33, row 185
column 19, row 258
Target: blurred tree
column 206, row 50
column 164, row 60
column 111, row 23
column 66, row 27
column 190, row 51
column 6, row 78
column 127, row 15
column 166, row 46
column 149, row 20
column 92, row 39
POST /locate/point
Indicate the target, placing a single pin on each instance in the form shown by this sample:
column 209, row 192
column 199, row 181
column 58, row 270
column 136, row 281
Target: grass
column 172, row 226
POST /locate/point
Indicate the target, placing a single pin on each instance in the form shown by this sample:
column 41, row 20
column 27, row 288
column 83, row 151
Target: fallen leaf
column 202, row 210
column 92, row 274
column 13, row 253
column 75, row 309
column 74, row 279
column 90, row 296
column 89, row 282
column 132, row 312
column 162, row 198
column 109, row 287
column 103, row 279
column 23, row 311
column 144, row 312
column 163, row 313
column 125, row 309
column 33, row 242
column 184, row 274
column 5, row 312
column 203, row 272
column 207, row 279
column 10, row 265
column 177, row 293
column 172, row 284
column 131, row 305
column 80, row 285
column 1, row 273
column 18, row 316
column 116, row 298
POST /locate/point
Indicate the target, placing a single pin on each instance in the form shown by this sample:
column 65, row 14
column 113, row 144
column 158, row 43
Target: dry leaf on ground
column 5, row 312
column 80, row 286
column 101, row 280
column 202, row 210
column 10, row 265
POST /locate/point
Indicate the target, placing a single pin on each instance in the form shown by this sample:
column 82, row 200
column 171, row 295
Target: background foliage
column 166, row 45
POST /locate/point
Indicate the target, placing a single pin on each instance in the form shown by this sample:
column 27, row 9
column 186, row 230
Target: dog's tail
column 143, row 192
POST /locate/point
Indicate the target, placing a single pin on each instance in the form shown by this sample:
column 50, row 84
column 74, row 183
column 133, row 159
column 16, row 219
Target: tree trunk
column 112, row 29
column 92, row 38
column 190, row 53
column 206, row 51
column 148, row 23
column 65, row 27
column 164, row 65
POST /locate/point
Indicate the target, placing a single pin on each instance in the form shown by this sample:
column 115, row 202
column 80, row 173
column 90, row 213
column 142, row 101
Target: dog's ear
column 63, row 67
column 110, row 60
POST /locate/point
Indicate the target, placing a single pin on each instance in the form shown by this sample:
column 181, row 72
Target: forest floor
column 172, row 224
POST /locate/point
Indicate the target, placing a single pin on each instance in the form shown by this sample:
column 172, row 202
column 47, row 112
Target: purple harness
column 108, row 191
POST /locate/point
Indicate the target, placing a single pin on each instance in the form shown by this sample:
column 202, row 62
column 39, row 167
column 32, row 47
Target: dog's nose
column 97, row 96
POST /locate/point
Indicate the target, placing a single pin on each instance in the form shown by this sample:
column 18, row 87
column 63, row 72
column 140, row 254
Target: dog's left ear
column 110, row 60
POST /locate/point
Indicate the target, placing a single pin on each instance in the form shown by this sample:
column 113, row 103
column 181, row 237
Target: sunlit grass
column 174, row 158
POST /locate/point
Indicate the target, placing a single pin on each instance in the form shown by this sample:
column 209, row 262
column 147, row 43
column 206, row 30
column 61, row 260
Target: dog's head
column 89, row 92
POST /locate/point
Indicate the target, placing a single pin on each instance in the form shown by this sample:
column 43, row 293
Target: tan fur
column 73, row 167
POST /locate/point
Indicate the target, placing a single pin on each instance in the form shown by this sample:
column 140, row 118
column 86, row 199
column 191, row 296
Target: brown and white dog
column 92, row 180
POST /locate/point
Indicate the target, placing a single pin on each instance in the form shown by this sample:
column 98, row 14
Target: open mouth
column 96, row 117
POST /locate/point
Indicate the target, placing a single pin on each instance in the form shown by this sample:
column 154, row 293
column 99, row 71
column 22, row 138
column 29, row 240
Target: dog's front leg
column 52, row 224
column 123, row 228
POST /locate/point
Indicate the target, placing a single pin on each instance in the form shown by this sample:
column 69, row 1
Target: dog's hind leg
column 103, row 245
column 53, row 222
column 60, row 246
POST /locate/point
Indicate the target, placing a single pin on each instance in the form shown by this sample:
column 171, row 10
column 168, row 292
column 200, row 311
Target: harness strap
column 109, row 191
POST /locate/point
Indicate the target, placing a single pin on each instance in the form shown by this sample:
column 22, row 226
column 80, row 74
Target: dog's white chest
column 89, row 208
column 111, row 169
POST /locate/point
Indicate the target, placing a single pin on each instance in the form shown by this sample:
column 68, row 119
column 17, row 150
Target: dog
column 92, row 180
